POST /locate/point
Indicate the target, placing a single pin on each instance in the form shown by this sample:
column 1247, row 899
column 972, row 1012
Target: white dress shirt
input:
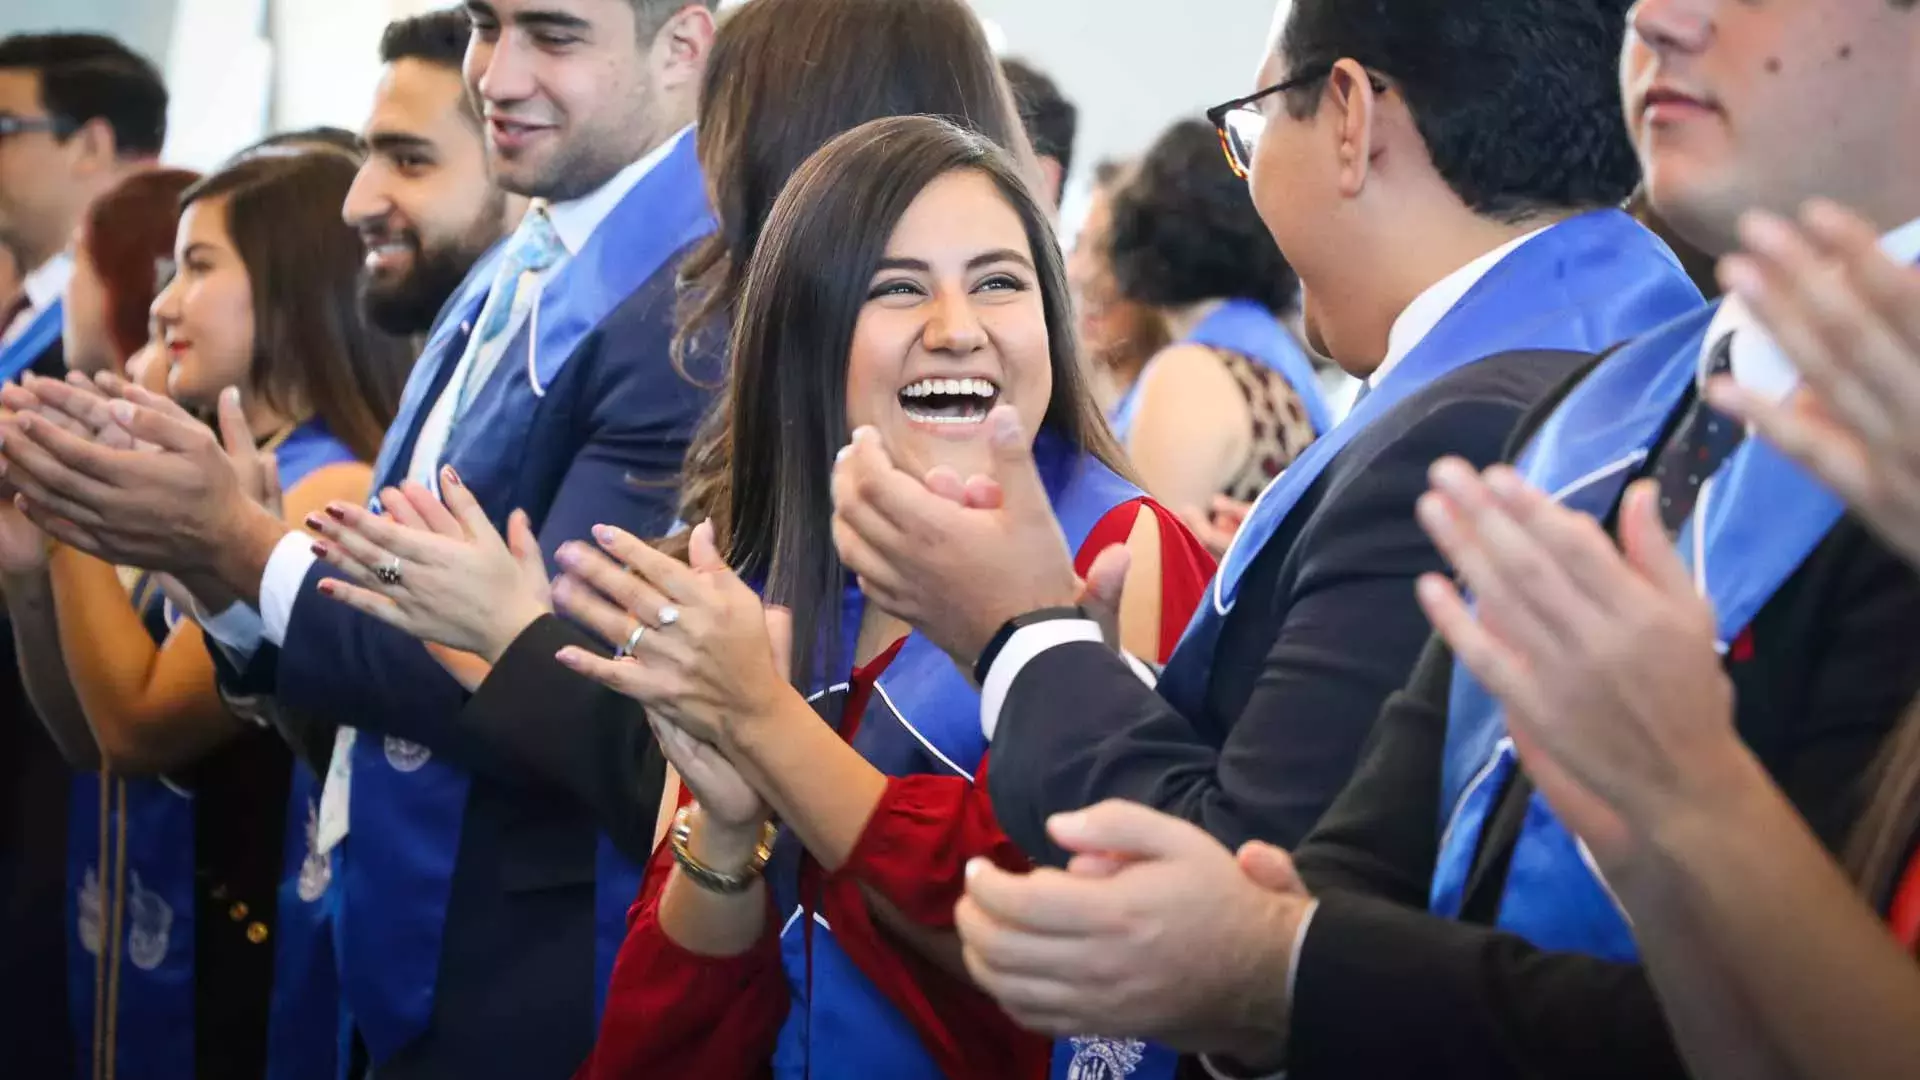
column 44, row 287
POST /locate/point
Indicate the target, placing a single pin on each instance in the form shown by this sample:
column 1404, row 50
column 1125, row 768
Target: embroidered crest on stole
column 406, row 757
column 1096, row 1058
column 152, row 927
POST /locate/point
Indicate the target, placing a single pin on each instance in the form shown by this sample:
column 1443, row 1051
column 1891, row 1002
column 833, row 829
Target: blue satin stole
column 1757, row 520
column 37, row 338
column 130, row 874
column 1244, row 327
column 922, row 719
column 395, row 877
column 1583, row 285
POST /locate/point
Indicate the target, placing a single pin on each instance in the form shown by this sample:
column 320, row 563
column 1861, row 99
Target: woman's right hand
column 445, row 575
column 23, row 546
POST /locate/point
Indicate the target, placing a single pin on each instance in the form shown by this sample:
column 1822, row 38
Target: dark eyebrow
column 393, row 142
column 552, row 20
column 197, row 245
column 985, row 259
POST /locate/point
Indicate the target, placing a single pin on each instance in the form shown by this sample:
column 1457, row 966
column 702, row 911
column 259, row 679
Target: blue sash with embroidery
column 1583, row 285
column 303, row 1024
column 395, row 879
column 1756, row 521
column 1246, row 328
column 131, row 875
column 37, row 338
column 923, row 718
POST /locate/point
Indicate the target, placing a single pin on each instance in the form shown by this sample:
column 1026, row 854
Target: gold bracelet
column 706, row 876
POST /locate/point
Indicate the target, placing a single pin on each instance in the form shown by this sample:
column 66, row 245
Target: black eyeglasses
column 1241, row 123
column 58, row 127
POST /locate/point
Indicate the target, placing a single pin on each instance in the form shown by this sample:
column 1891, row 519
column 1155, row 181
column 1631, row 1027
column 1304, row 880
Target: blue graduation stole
column 1757, row 520
column 130, row 867
column 923, row 718
column 1583, row 285
column 395, row 868
column 37, row 338
column 1246, row 328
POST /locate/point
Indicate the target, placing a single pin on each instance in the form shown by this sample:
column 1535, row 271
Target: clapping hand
column 1849, row 318
column 440, row 572
column 1605, row 660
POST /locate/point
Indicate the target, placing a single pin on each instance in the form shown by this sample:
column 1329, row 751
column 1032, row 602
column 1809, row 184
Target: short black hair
column 1050, row 119
column 1185, row 230
column 438, row 37
column 1519, row 103
column 88, row 77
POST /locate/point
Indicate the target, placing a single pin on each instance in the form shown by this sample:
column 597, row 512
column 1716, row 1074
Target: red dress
column 671, row 1013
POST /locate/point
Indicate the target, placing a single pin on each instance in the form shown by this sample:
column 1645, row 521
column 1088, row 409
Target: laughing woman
column 906, row 282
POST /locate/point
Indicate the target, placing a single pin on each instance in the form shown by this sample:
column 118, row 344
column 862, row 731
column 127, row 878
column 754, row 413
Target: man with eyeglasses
column 77, row 113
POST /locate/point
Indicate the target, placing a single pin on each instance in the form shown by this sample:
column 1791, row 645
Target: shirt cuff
column 287, row 570
column 1026, row 643
column 237, row 630
column 1221, row 1072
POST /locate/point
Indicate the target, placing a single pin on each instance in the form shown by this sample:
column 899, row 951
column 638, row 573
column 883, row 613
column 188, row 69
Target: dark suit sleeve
column 1077, row 728
column 577, row 735
column 636, row 415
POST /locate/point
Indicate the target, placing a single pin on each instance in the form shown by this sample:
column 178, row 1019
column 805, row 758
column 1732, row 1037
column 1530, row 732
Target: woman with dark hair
column 202, row 949
column 1234, row 399
column 907, row 283
column 122, row 257
column 1625, row 724
column 1117, row 335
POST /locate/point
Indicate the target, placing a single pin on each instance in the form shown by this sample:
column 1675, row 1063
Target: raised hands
column 1849, row 318
column 699, row 649
column 441, row 573
column 1606, row 661
column 954, row 559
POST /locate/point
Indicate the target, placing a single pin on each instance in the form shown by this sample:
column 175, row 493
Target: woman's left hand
column 699, row 646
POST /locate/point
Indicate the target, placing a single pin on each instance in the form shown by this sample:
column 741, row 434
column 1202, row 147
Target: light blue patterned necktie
column 535, row 247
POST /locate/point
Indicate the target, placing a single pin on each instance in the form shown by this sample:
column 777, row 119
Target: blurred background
column 241, row 68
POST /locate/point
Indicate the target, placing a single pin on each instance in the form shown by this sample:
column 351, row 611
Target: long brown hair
column 1882, row 842
column 313, row 353
column 785, row 77
column 786, row 413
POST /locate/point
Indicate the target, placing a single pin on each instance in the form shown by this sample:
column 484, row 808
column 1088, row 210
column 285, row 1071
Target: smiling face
column 205, row 314
column 954, row 325
column 1735, row 104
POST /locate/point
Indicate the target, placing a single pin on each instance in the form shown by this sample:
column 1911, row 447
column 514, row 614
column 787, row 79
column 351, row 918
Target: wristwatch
column 1013, row 626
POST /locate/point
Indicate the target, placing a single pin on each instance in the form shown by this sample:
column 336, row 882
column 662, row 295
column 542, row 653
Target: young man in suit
column 77, row 113
column 424, row 202
column 1441, row 920
column 478, row 908
column 1462, row 273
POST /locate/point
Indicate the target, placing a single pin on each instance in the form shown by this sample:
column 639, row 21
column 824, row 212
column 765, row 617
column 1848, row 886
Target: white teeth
column 952, row 388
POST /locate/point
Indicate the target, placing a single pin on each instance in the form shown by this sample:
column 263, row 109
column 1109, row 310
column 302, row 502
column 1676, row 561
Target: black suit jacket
column 1326, row 627
column 1385, row 990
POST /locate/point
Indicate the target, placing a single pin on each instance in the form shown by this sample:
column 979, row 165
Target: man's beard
column 407, row 306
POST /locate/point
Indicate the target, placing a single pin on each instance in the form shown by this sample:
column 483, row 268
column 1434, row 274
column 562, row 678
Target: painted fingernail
column 451, row 477
column 319, row 550
column 325, row 587
column 314, row 522
column 603, row 533
column 337, row 512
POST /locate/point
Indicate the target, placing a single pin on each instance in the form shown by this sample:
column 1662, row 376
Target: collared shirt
column 44, row 287
column 1420, row 317
column 575, row 221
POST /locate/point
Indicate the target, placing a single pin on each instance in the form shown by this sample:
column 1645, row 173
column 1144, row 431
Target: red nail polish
column 337, row 513
column 453, row 477
column 319, row 551
column 325, row 587
column 314, row 522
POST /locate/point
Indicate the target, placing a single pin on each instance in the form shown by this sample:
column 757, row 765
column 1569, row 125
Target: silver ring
column 668, row 615
column 633, row 640
column 388, row 572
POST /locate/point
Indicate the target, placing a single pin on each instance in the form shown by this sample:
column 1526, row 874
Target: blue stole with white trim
column 923, row 718
column 131, row 873
column 37, row 338
column 1583, row 285
column 1250, row 330
column 1757, row 520
column 395, row 879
